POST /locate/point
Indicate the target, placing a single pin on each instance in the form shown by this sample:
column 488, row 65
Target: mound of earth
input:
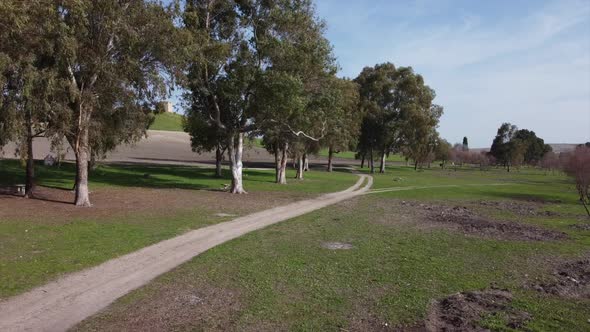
column 472, row 223
column 571, row 279
column 463, row 311
column 520, row 208
column 582, row 227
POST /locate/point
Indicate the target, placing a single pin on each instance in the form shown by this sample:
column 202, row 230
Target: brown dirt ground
column 54, row 205
column 180, row 306
column 463, row 219
column 570, row 279
column 462, row 311
column 522, row 208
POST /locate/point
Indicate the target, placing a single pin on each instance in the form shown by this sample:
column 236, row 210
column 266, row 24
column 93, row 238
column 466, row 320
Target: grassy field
column 351, row 155
column 43, row 238
column 282, row 278
column 167, row 122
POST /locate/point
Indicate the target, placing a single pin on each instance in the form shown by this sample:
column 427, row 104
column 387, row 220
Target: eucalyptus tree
column 206, row 138
column 298, row 49
column 377, row 99
column 344, row 120
column 113, row 55
column 399, row 114
column 502, row 146
column 30, row 101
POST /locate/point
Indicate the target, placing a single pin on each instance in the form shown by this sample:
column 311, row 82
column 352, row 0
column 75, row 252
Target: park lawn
column 352, row 155
column 281, row 278
column 167, row 122
column 38, row 246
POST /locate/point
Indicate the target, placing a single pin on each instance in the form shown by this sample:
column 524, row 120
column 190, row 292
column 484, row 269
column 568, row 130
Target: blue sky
column 493, row 61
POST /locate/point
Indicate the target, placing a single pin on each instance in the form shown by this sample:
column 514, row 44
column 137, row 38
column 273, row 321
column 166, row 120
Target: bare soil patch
column 570, row 279
column 582, row 226
column 463, row 311
column 173, row 308
column 337, row 245
column 469, row 222
column 55, row 205
column 522, row 208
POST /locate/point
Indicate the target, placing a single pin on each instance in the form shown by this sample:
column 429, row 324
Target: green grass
column 352, row 154
column 34, row 251
column 180, row 177
column 167, row 122
column 286, row 280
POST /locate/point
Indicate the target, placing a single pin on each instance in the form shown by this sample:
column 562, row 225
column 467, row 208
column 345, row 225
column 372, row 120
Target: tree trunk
column 82, row 158
column 305, row 162
column 277, row 164
column 330, row 159
column 371, row 161
column 585, row 207
column 30, row 172
column 236, row 150
column 283, row 165
column 416, row 165
column 218, row 159
column 362, row 160
column 382, row 165
column 300, row 171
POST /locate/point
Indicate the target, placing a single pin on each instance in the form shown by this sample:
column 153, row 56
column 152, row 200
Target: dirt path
column 61, row 304
column 385, row 190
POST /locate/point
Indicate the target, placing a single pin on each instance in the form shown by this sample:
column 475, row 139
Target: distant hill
column 562, row 147
column 167, row 122
column 557, row 147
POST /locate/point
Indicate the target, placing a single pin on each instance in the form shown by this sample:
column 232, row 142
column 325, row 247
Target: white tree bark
column 282, row 176
column 300, row 170
column 382, row 166
column 236, row 150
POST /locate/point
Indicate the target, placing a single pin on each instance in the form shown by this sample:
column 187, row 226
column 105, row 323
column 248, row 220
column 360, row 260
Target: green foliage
column 399, row 114
column 512, row 146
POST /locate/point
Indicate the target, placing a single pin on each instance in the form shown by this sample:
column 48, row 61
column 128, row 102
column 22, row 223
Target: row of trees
column 266, row 69
column 92, row 73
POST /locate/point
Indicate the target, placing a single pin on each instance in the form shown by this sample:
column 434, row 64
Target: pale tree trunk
column 371, row 161
column 305, row 162
column 277, row 164
column 236, row 150
column 283, row 165
column 299, row 175
column 82, row 158
column 30, row 172
column 382, row 165
column 218, row 159
column 330, row 159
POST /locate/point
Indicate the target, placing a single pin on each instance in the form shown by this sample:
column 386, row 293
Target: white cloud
column 533, row 70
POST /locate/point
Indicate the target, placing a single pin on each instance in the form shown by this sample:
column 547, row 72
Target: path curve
column 65, row 302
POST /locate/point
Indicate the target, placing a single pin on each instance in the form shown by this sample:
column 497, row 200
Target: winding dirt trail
column 63, row 303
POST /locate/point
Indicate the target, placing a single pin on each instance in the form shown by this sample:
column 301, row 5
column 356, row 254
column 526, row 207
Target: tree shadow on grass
column 128, row 175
